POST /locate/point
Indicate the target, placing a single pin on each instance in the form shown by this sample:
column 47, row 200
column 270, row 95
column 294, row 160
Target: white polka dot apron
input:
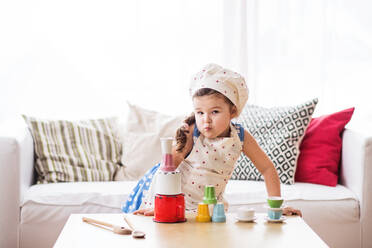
column 211, row 162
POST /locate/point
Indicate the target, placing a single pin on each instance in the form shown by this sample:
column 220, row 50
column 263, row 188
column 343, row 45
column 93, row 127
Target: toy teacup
column 275, row 201
column 274, row 213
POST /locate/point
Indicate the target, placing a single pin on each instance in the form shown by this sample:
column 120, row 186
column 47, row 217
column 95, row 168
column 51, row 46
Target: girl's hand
column 189, row 142
column 146, row 212
column 291, row 211
column 184, row 143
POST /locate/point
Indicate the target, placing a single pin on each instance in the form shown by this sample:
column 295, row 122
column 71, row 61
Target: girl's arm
column 178, row 157
column 263, row 163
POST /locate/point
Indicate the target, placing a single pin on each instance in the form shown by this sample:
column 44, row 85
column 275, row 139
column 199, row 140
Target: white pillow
column 141, row 140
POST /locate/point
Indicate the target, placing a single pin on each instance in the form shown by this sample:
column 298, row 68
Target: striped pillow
column 75, row 151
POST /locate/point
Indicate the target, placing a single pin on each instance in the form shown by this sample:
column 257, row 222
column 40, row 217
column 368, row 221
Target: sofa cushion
column 114, row 194
column 70, row 151
column 279, row 132
column 108, row 194
column 142, row 133
column 320, row 150
column 240, row 192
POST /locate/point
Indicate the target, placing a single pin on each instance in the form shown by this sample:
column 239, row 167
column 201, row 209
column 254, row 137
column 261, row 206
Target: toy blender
column 169, row 200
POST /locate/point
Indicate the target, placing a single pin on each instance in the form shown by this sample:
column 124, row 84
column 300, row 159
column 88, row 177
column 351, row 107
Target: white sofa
column 33, row 215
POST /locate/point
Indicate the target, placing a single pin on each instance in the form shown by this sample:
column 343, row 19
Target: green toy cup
column 209, row 195
column 275, row 201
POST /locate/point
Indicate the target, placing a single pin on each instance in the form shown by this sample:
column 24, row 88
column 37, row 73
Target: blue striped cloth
column 139, row 192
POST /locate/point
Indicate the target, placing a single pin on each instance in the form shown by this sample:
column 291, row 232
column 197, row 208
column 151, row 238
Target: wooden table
column 293, row 232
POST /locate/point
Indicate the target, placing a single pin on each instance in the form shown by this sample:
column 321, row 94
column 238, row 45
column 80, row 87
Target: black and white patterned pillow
column 279, row 132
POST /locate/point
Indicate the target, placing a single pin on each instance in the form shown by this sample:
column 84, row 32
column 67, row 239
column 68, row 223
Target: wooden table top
column 293, row 232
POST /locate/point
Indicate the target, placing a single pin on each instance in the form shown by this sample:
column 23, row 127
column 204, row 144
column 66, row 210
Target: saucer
column 276, row 221
column 246, row 220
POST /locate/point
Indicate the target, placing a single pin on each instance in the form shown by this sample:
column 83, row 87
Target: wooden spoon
column 135, row 233
column 116, row 229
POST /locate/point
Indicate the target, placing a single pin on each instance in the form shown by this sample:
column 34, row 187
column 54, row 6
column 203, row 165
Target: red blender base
column 169, row 208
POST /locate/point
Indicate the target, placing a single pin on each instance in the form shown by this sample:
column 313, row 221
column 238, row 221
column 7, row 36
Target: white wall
column 80, row 58
column 83, row 58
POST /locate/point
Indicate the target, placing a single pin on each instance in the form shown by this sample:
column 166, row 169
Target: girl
column 209, row 144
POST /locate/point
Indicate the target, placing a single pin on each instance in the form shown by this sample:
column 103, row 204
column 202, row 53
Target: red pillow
column 320, row 149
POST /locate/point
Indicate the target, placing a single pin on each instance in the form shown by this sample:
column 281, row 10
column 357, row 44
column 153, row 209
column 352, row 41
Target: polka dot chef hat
column 229, row 83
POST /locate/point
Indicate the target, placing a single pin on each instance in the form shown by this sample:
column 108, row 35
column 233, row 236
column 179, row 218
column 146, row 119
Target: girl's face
column 213, row 116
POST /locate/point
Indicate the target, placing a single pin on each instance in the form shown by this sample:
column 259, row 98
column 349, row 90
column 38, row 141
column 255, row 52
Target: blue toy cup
column 219, row 213
column 274, row 213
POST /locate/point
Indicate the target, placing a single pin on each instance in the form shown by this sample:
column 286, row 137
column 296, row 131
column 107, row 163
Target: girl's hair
column 181, row 137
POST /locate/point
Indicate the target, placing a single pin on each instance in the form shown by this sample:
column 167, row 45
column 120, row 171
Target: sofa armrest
column 16, row 176
column 356, row 171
